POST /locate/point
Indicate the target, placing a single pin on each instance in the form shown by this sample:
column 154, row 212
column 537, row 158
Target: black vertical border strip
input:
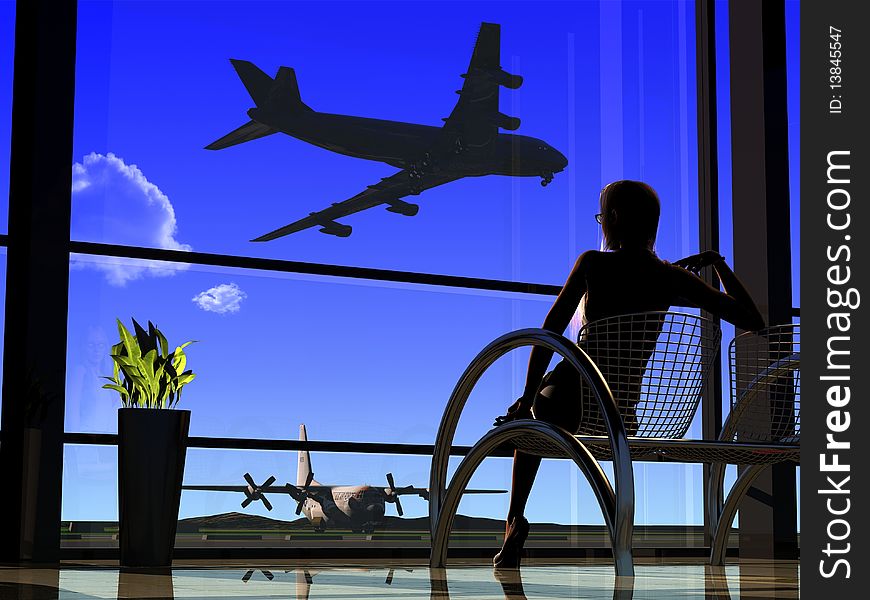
column 37, row 278
column 821, row 133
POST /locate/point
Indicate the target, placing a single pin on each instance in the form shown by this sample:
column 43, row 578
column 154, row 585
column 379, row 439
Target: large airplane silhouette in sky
column 467, row 145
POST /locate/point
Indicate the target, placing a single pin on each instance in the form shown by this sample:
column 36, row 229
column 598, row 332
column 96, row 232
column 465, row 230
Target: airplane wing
column 424, row 492
column 476, row 118
column 272, row 489
column 288, row 489
column 387, row 191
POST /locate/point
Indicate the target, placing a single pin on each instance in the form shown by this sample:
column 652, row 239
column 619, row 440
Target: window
column 611, row 86
column 7, row 47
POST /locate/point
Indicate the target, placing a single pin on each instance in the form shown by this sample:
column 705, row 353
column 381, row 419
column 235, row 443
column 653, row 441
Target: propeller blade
column 245, row 502
column 269, row 481
column 309, row 479
column 266, row 503
column 250, row 480
column 389, row 580
column 247, row 575
column 294, row 491
column 268, row 575
column 299, row 507
column 309, row 579
column 395, row 494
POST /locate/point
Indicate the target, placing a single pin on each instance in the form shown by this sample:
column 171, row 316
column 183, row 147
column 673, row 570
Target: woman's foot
column 509, row 555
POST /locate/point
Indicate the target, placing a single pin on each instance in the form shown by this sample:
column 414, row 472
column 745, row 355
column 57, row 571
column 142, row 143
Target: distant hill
column 237, row 520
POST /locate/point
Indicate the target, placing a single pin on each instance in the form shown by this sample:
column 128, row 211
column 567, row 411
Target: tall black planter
column 151, row 449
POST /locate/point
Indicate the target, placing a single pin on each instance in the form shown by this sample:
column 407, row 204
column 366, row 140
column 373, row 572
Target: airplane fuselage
column 403, row 145
column 354, row 507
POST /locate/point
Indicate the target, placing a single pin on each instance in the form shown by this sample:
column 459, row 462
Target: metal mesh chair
column 641, row 376
column 655, row 364
column 765, row 386
column 765, row 416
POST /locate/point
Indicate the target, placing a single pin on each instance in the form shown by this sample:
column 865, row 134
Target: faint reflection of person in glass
column 89, row 409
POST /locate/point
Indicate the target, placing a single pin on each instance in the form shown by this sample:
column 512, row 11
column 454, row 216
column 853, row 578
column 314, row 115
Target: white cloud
column 114, row 203
column 222, row 299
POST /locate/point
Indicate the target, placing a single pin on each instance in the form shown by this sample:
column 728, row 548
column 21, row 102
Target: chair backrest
column 655, row 364
column 765, row 375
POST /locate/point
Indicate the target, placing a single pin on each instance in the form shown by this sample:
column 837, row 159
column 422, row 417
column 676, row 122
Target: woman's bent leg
column 524, row 471
column 557, row 404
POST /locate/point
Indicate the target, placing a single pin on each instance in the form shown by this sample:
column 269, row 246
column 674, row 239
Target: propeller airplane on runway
column 360, row 508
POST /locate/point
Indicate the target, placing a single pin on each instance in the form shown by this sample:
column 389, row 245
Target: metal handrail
column 215, row 443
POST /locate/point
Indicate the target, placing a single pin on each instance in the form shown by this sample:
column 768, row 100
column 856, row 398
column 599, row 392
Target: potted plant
column 152, row 442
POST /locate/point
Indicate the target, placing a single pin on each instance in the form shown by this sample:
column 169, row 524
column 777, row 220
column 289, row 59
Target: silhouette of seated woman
column 626, row 278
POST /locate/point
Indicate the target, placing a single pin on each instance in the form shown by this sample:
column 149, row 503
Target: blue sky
column 611, row 85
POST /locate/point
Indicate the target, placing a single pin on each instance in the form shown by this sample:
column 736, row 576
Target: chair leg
column 729, row 509
column 714, row 496
column 618, row 509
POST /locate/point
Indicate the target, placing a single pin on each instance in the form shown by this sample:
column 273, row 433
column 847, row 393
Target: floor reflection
column 756, row 579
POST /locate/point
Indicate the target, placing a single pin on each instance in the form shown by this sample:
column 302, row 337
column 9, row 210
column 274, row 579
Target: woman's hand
column 521, row 409
column 696, row 262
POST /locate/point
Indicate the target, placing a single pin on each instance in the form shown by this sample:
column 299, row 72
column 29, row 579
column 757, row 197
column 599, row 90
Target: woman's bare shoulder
column 588, row 261
column 591, row 256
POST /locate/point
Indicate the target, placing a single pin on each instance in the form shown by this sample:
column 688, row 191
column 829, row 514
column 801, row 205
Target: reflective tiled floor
column 299, row 581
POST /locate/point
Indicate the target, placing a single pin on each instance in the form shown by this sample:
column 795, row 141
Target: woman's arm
column 734, row 304
column 556, row 321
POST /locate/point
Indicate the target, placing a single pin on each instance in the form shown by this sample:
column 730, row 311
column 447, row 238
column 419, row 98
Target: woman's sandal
column 511, row 550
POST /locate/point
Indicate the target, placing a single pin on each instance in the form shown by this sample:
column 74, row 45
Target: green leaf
column 121, row 390
column 147, row 365
column 126, row 361
column 130, row 344
column 180, row 360
column 146, row 340
column 164, row 344
column 171, row 372
column 185, row 378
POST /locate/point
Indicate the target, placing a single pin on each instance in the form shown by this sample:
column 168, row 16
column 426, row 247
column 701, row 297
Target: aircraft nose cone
column 563, row 162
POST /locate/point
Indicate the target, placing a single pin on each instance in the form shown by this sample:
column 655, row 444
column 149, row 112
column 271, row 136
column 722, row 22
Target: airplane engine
column 336, row 229
column 403, row 208
column 505, row 79
column 506, row 122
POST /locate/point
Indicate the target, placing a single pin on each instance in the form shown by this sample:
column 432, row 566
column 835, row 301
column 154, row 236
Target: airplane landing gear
column 546, row 178
column 419, row 168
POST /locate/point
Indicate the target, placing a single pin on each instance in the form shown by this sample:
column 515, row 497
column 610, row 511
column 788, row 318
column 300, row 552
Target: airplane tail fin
column 281, row 93
column 304, row 466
